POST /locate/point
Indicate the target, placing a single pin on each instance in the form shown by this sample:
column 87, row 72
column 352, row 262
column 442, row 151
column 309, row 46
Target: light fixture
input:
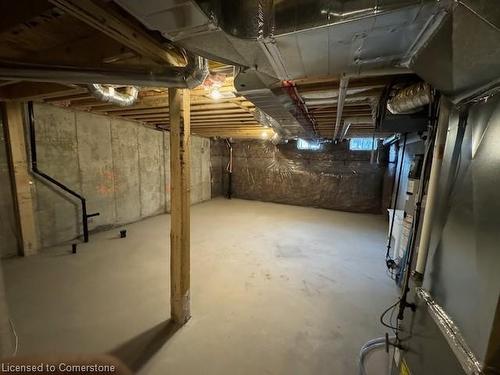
column 215, row 94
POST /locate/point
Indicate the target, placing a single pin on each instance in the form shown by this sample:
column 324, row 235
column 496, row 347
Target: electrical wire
column 389, row 325
column 16, row 338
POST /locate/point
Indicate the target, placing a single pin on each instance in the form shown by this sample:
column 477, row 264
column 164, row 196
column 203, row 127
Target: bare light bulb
column 215, row 94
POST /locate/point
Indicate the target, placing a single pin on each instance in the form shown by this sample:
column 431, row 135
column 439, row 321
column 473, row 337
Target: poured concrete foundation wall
column 218, row 161
column 8, row 222
column 200, row 169
column 6, row 342
column 121, row 167
column 334, row 178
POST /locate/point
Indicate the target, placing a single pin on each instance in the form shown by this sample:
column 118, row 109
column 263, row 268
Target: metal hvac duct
column 110, row 95
column 296, row 39
column 190, row 76
column 268, row 95
column 269, row 39
column 458, row 53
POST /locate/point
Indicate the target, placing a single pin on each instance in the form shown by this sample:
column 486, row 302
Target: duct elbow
column 109, row 95
column 189, row 77
column 196, row 71
column 410, row 99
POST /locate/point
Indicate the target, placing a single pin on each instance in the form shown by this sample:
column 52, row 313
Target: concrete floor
column 276, row 289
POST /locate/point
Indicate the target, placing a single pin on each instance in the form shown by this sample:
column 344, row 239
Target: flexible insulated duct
column 411, row 99
column 108, row 94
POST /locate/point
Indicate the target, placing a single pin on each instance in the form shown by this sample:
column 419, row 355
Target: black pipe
column 230, row 185
column 35, row 170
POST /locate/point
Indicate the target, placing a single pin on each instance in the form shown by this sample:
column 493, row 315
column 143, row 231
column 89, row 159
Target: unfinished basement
column 216, row 187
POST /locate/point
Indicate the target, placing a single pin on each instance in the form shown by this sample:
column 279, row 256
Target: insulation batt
column 334, row 177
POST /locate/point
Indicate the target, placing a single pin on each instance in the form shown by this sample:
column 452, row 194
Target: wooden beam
column 197, row 104
column 257, row 132
column 68, row 98
column 140, row 112
column 16, row 147
column 254, row 135
column 230, row 128
column 180, row 141
column 100, row 52
column 6, row 82
column 20, row 11
column 199, row 126
column 202, row 121
column 37, row 90
column 194, row 116
column 164, row 111
column 241, row 106
column 120, row 29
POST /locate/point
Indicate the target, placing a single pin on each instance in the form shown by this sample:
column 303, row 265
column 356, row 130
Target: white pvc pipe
column 437, row 161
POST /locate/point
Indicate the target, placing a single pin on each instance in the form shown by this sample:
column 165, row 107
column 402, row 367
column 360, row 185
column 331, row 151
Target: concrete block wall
column 121, row 167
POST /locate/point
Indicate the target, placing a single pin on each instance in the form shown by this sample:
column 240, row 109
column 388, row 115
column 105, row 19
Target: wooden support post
column 16, row 148
column 180, row 143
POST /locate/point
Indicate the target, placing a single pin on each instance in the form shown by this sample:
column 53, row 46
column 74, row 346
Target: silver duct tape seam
column 452, row 334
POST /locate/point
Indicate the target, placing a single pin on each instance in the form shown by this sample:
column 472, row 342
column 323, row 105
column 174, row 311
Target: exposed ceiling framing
column 91, row 33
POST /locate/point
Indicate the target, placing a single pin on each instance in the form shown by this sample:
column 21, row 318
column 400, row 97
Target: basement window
column 302, row 144
column 362, row 144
